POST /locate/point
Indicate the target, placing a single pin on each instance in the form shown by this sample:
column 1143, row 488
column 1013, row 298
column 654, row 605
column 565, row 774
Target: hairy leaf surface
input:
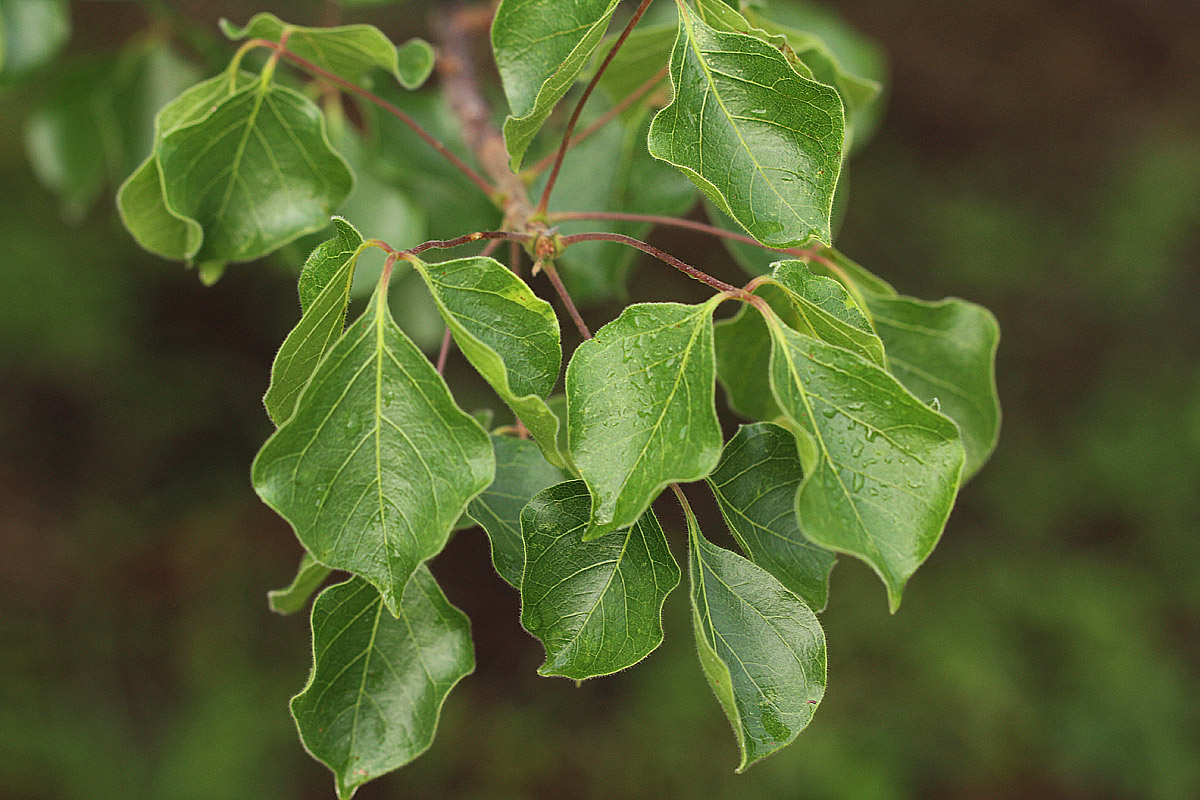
column 755, row 485
column 293, row 597
column 761, row 647
column 521, row 472
column 762, row 142
column 541, row 46
column 595, row 605
column 508, row 333
column 377, row 463
column 881, row 467
column 640, row 408
column 256, row 172
column 378, row 684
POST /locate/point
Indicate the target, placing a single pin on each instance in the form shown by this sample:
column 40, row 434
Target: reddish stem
column 447, row 339
column 665, row 257
column 445, row 244
column 354, row 88
column 587, row 92
column 552, row 274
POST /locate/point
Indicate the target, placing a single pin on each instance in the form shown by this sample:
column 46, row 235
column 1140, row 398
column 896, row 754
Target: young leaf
column 377, row 462
column 761, row 647
column 596, row 606
column 641, row 410
column 509, row 334
column 378, row 684
column 946, row 350
column 825, row 309
column 755, row 485
column 309, row 577
column 762, row 142
column 31, row 32
column 325, row 285
column 881, row 467
column 346, row 50
column 254, row 173
column 521, row 472
column 540, row 52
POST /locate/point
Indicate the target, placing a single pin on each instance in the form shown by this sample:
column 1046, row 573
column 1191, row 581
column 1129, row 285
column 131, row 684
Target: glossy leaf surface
column 293, row 597
column 595, row 605
column 325, row 286
column 762, row 142
column 755, row 485
column 521, row 472
column 508, row 333
column 377, row 463
column 640, row 408
column 541, row 46
column 946, row 350
column 881, row 468
column 378, row 683
column 254, row 173
column 761, row 647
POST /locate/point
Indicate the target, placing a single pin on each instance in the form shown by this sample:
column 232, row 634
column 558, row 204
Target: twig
column 552, row 274
column 456, row 66
column 447, row 340
column 665, row 257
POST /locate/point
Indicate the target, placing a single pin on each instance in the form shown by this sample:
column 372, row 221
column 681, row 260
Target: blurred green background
column 1041, row 158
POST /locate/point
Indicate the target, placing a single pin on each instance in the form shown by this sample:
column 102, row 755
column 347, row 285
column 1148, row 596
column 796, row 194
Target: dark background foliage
column 1041, row 158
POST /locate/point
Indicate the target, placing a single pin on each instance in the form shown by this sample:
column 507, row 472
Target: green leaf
column 595, row 606
column 255, row 172
column 540, row 52
column 640, row 408
column 946, row 350
column 415, row 58
column 377, row 463
column 881, row 468
column 761, row 647
column 824, row 309
column 346, row 50
column 140, row 199
column 293, row 597
column 755, row 485
column 31, row 32
column 509, row 334
column 378, row 684
column 521, row 472
column 762, row 142
column 324, row 295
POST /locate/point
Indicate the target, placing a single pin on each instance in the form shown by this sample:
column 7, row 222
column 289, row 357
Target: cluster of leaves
column 866, row 409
